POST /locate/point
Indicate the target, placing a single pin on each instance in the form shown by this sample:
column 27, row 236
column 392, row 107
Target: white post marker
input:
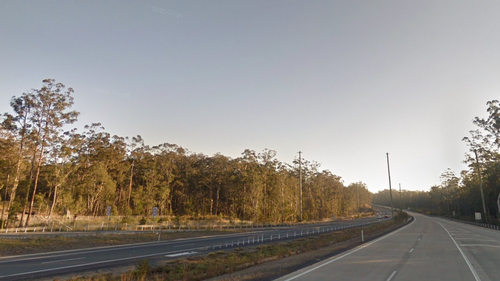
column 108, row 213
column 155, row 213
column 498, row 202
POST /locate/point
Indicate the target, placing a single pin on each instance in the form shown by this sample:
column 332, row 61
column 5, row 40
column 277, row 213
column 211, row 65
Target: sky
column 345, row 82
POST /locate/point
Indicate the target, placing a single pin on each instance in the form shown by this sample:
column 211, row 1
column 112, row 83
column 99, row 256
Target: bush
column 128, row 220
column 401, row 216
column 141, row 269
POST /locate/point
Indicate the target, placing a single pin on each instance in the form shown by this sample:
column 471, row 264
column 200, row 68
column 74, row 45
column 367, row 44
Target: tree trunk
column 217, row 196
column 54, row 200
column 130, row 184
column 15, row 184
column 35, row 185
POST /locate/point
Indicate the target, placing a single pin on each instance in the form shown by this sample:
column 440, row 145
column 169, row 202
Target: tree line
column 46, row 169
column 459, row 195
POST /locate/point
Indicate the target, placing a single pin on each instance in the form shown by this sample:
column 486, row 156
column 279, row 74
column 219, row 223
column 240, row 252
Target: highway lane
column 480, row 245
column 427, row 249
column 48, row 264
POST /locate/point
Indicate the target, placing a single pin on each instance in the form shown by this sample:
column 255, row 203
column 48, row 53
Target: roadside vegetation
column 50, row 172
column 40, row 244
column 222, row 262
column 57, row 241
column 459, row 196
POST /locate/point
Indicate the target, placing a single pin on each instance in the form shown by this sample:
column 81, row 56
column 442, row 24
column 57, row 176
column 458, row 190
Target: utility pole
column 400, row 200
column 481, row 187
column 357, row 195
column 300, row 186
column 390, row 189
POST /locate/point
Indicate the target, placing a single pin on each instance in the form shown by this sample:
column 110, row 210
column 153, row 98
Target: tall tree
column 19, row 126
column 50, row 113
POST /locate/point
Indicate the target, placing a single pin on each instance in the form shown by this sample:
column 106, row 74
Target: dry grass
column 223, row 262
column 17, row 246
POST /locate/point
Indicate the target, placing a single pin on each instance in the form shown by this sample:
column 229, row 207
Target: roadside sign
column 108, row 211
column 478, row 216
column 155, row 211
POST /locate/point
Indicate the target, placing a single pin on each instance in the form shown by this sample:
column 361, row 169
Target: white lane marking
column 333, row 259
column 114, row 248
column 411, row 250
column 185, row 245
column 92, row 263
column 47, row 262
column 469, row 238
column 479, row 245
column 180, row 254
column 390, row 277
column 63, row 253
column 419, row 239
column 463, row 255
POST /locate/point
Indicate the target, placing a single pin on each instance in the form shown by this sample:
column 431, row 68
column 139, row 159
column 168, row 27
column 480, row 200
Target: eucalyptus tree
column 8, row 158
column 100, row 167
column 18, row 126
column 39, row 118
column 136, row 149
column 328, row 190
column 241, row 177
column 484, row 143
column 252, row 171
column 61, row 156
column 214, row 171
column 50, row 113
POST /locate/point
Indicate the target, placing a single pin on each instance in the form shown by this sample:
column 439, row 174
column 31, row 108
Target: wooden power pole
column 390, row 189
column 300, row 186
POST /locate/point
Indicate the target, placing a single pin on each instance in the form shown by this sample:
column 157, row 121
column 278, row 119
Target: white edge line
column 479, row 245
column 16, row 258
column 463, row 255
column 47, row 262
column 10, row 259
column 183, row 245
column 411, row 250
column 392, row 275
column 348, row 253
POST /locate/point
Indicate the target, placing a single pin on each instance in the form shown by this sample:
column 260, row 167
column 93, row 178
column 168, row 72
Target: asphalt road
column 429, row 248
column 54, row 263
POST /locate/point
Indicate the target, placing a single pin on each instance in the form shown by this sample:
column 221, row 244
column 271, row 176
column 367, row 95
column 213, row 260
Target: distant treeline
column 460, row 195
column 46, row 170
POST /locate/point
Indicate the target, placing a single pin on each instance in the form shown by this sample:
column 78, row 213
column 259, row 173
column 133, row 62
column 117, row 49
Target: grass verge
column 223, row 262
column 40, row 244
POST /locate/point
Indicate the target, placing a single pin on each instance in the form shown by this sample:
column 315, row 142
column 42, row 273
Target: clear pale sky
column 343, row 81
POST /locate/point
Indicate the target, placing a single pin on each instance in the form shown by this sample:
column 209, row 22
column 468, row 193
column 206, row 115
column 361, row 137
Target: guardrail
column 288, row 234
column 58, row 226
column 479, row 224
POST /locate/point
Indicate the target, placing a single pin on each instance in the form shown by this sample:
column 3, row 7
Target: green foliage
column 142, row 221
column 129, row 220
column 401, row 216
column 141, row 269
column 459, row 196
column 86, row 172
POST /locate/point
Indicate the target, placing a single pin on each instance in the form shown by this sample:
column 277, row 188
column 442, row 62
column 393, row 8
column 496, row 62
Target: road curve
column 429, row 248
